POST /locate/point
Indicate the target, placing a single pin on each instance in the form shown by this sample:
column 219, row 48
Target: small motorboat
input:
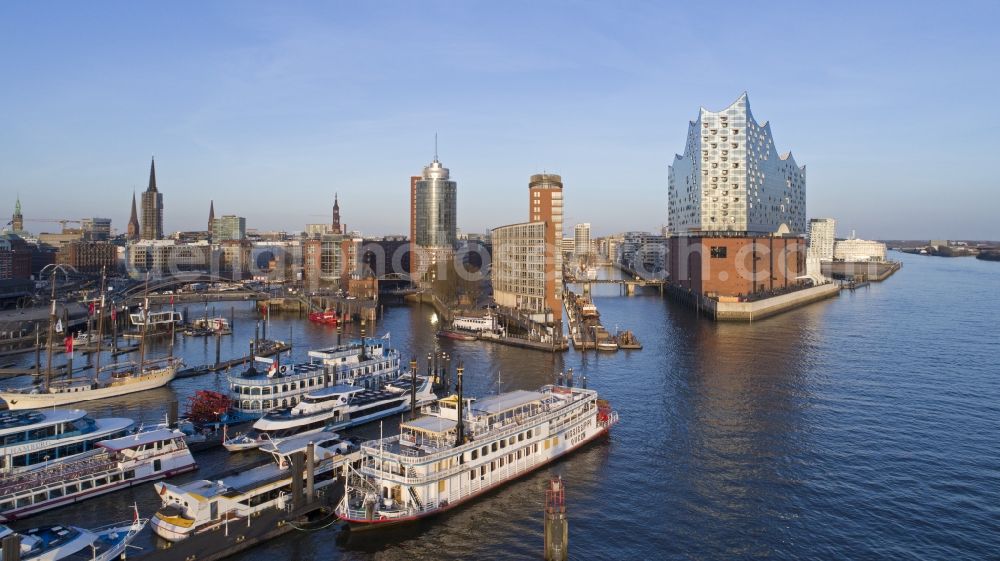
column 607, row 346
column 457, row 335
column 243, row 442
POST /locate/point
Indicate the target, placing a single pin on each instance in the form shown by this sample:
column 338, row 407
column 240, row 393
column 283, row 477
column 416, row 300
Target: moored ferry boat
column 334, row 408
column 462, row 448
column 37, row 439
column 121, row 379
column 57, row 543
column 369, row 363
column 116, row 464
column 202, row 506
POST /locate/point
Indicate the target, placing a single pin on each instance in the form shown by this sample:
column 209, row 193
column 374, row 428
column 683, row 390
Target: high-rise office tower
column 731, row 178
column 581, row 239
column 229, row 227
column 545, row 204
column 433, row 219
column 152, row 208
column 96, row 229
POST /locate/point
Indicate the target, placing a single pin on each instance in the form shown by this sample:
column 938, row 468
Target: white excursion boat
column 157, row 321
column 70, row 543
column 462, row 448
column 121, row 379
column 475, row 323
column 369, row 363
column 334, row 408
column 115, row 464
column 37, row 439
column 206, row 505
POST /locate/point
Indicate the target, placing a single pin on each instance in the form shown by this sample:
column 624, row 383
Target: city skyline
column 261, row 109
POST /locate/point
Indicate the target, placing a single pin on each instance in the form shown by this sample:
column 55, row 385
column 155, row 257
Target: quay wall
column 870, row 271
column 760, row 309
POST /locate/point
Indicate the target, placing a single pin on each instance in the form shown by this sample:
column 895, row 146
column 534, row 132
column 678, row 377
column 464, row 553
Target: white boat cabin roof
column 430, row 424
column 287, row 446
column 334, row 390
column 138, row 439
column 16, row 421
column 506, row 401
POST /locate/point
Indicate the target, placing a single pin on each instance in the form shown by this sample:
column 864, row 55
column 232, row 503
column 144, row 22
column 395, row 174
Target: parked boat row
column 201, row 506
column 334, row 408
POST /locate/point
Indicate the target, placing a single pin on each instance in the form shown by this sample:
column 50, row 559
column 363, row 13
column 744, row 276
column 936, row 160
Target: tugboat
column 463, row 447
column 56, row 543
column 628, row 341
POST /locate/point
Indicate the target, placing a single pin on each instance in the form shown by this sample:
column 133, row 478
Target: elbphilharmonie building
column 732, row 180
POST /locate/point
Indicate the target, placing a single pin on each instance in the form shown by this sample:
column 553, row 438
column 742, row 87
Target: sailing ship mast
column 100, row 327
column 145, row 322
column 52, row 324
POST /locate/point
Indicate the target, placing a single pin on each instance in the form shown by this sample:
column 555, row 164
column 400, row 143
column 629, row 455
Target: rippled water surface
column 867, row 426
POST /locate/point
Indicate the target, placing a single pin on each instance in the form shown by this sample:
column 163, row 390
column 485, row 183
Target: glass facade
column 732, row 179
column 436, row 201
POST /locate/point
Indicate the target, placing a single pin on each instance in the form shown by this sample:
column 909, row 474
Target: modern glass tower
column 433, row 215
column 731, row 179
column 436, row 200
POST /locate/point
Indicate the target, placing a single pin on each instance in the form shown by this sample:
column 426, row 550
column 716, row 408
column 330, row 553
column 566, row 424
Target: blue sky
column 271, row 109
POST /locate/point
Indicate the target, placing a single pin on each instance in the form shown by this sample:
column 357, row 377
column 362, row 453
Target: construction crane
column 61, row 221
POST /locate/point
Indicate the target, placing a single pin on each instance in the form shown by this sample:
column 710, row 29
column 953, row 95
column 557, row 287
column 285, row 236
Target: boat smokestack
column 460, row 427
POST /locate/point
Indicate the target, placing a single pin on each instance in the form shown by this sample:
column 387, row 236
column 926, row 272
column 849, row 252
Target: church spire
column 132, row 233
column 211, row 218
column 17, row 205
column 335, row 227
column 152, row 175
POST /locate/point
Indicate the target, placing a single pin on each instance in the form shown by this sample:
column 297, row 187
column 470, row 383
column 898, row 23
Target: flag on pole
column 90, row 309
column 69, row 345
column 59, row 326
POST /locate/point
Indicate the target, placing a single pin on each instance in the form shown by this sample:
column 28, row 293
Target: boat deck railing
column 61, row 472
column 394, row 445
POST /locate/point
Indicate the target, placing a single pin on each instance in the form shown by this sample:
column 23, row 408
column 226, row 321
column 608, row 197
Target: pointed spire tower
column 152, row 208
column 211, row 218
column 132, row 233
column 336, row 228
column 17, row 221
